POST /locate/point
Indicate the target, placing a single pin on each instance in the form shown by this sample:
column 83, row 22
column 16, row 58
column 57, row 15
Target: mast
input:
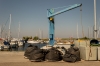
column 95, row 25
column 77, row 31
column 9, row 34
column 18, row 31
column 88, row 32
column 0, row 32
column 39, row 33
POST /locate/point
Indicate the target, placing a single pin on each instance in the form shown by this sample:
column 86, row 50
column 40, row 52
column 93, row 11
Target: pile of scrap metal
column 33, row 53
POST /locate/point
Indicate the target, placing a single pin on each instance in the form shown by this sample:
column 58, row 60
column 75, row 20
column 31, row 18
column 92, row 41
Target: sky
column 32, row 16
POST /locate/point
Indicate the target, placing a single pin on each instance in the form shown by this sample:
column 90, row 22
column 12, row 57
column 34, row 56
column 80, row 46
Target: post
column 51, row 27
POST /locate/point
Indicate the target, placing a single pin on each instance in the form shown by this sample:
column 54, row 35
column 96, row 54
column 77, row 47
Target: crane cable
column 90, row 52
column 82, row 24
column 81, row 20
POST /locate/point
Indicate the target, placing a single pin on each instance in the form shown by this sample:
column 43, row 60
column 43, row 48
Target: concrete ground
column 14, row 58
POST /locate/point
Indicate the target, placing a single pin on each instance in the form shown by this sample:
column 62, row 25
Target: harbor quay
column 16, row 58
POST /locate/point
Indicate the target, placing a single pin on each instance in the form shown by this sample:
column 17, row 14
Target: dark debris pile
column 33, row 53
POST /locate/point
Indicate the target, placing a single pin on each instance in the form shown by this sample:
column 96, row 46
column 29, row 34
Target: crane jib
column 64, row 10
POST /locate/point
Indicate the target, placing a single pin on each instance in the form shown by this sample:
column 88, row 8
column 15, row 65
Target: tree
column 85, row 38
column 36, row 38
column 25, row 39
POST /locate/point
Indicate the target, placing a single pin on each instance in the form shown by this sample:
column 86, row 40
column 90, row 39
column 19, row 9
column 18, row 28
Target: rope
column 90, row 53
column 4, row 26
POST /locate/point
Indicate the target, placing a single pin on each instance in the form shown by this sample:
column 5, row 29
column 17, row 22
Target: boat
column 66, row 42
column 4, row 45
column 1, row 43
column 32, row 42
column 16, row 43
column 20, row 42
column 13, row 43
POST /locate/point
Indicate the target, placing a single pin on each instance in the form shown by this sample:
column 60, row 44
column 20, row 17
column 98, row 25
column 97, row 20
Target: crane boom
column 64, row 10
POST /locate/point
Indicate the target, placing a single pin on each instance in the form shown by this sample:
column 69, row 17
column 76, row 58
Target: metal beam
column 64, row 10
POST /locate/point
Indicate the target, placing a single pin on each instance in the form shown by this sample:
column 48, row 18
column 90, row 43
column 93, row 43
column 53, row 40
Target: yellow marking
column 51, row 18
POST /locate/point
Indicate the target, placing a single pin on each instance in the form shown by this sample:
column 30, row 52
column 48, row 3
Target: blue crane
column 50, row 15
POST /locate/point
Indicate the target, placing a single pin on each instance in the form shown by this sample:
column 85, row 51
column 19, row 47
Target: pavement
column 16, row 58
